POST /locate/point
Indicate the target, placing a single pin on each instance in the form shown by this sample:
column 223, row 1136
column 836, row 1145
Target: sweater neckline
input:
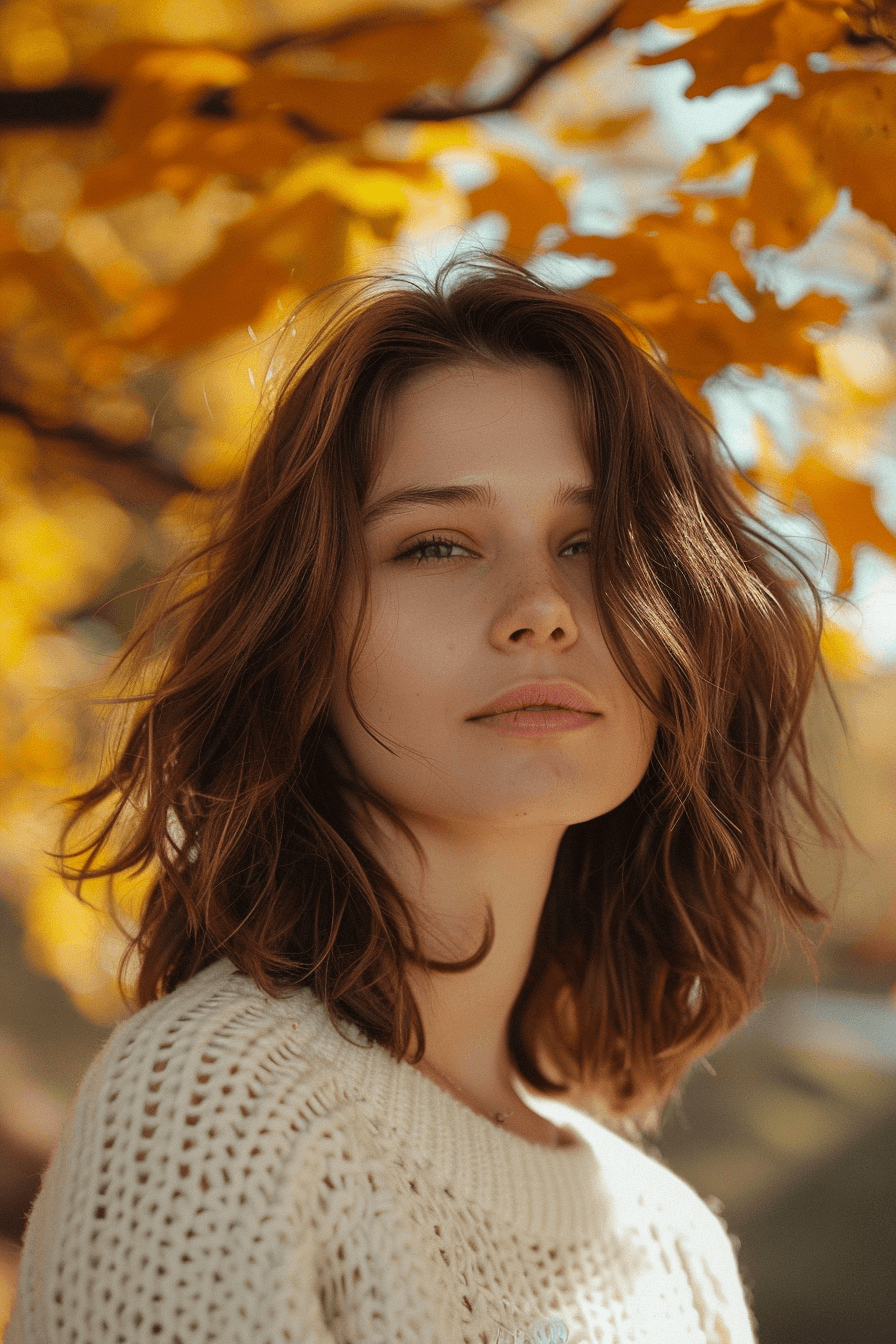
column 531, row 1185
column 546, row 1191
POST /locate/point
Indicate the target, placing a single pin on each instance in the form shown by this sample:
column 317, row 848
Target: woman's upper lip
column 554, row 694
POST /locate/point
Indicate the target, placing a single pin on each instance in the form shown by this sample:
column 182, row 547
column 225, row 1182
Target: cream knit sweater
column 234, row 1170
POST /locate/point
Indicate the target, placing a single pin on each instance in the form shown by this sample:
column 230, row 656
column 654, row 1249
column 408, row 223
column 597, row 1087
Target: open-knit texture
column 236, row 1171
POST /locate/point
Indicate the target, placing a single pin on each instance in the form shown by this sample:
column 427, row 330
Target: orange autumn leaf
column 524, row 197
column 635, row 13
column 642, row 271
column 153, row 82
column 256, row 260
column 841, row 132
column 733, row 51
column 185, row 152
column 850, row 119
column 297, row 237
column 163, row 143
column 666, row 253
column 343, row 84
column 701, row 339
column 746, row 44
column 718, row 161
column 682, row 278
column 167, row 64
column 844, row 507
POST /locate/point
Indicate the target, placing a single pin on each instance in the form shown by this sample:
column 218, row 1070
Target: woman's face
column 504, row 598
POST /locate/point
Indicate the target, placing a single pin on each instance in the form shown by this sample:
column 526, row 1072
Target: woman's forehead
column 472, row 420
column 475, row 378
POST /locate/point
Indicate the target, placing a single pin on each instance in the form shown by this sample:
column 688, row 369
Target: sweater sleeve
column 161, row 1217
column 710, row 1263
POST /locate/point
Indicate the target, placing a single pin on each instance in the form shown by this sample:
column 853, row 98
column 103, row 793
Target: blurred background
column 176, row 174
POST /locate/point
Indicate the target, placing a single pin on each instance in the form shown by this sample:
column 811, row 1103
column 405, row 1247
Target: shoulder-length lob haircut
column 655, row 937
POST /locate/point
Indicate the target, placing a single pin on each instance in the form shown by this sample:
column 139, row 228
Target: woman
column 485, row 640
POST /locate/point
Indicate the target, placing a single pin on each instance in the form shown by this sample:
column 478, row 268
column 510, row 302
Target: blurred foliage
column 175, row 176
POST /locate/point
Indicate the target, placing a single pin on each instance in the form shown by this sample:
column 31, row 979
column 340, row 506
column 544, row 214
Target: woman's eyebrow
column 398, row 501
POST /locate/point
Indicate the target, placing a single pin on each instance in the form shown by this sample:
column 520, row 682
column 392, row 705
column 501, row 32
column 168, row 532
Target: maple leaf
column 524, row 197
column 681, row 277
column 744, row 45
column 845, row 508
column 840, row 133
column 343, row 84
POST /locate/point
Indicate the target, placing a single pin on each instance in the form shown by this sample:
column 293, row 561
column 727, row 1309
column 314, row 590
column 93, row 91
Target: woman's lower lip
column 536, row 722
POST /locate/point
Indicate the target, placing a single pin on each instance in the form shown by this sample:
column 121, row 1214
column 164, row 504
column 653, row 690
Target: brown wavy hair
column 657, row 930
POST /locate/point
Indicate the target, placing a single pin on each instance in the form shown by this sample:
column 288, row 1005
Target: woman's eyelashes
column 430, row 543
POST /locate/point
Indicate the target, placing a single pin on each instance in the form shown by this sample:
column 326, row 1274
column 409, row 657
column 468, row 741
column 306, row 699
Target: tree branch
column 132, row 473
column 218, row 103
column 81, row 104
column 72, row 104
column 508, row 101
column 871, row 24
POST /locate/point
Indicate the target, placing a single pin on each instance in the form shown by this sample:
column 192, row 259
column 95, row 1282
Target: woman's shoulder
column 215, row 1099
column 215, row 1080
column 645, row 1191
column 226, row 996
column 212, row 1045
column 651, row 1204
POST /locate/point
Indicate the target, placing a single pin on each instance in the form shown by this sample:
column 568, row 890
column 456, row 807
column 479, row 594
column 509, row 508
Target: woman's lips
column 540, row 695
column 537, row 722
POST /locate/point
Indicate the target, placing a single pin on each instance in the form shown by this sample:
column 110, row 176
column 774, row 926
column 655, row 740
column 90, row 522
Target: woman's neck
column 512, row 1114
column 465, row 1015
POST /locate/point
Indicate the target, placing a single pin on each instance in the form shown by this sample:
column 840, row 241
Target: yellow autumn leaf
column 842, row 652
column 20, row 611
column 43, row 752
column 299, row 236
column 61, row 545
column 370, row 190
column 76, row 943
column 257, row 258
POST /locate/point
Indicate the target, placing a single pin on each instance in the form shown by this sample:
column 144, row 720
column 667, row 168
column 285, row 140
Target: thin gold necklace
column 499, row 1117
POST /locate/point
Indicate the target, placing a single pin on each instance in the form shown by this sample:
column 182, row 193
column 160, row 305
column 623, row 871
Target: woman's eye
column 433, row 543
column 428, row 544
